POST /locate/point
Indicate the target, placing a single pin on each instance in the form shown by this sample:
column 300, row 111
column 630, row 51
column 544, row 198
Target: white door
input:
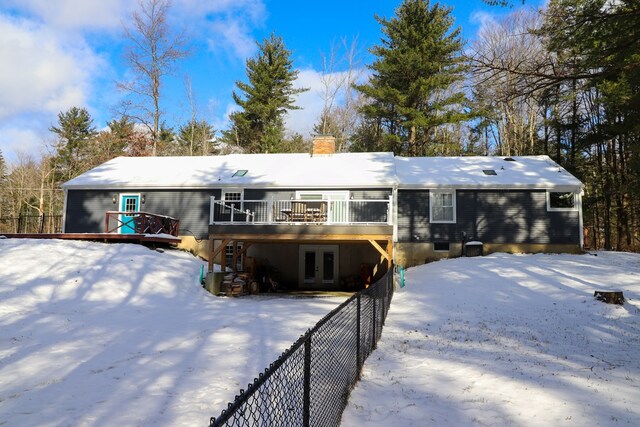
column 338, row 203
column 319, row 264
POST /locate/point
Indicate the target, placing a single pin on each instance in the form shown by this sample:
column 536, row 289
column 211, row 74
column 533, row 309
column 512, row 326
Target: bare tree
column 340, row 71
column 501, row 56
column 152, row 54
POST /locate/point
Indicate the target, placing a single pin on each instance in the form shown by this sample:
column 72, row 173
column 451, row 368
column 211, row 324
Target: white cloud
column 232, row 37
column 77, row 15
column 311, row 102
column 24, row 139
column 483, row 20
column 41, row 70
column 228, row 24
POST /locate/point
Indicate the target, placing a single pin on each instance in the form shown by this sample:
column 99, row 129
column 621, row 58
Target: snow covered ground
column 120, row 335
column 112, row 335
column 507, row 340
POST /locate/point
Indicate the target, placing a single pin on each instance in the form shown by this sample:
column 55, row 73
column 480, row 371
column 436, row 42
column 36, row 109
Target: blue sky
column 55, row 54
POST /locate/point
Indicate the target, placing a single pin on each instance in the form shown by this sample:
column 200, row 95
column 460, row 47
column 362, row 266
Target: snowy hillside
column 507, row 340
column 120, row 335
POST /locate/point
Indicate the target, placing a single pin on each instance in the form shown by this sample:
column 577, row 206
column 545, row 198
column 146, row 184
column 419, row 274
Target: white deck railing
column 351, row 211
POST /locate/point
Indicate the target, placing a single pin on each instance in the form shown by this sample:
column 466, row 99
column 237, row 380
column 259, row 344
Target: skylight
column 241, row 172
column 489, row 172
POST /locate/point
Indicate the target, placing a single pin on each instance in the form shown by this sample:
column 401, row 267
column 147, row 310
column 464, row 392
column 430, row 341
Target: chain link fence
column 309, row 384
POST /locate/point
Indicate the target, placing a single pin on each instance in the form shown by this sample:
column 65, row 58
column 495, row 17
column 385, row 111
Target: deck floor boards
column 105, row 237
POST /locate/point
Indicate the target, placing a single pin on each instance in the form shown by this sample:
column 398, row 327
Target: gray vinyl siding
column 288, row 194
column 86, row 209
column 491, row 216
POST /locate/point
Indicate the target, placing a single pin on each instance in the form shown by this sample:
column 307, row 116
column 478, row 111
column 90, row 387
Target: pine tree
column 3, row 168
column 194, row 138
column 413, row 84
column 265, row 99
column 75, row 132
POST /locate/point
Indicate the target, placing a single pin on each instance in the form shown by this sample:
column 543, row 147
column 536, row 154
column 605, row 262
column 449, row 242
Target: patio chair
column 298, row 211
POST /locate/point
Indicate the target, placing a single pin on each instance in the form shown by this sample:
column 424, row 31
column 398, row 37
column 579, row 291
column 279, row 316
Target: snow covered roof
column 484, row 172
column 343, row 170
column 293, row 170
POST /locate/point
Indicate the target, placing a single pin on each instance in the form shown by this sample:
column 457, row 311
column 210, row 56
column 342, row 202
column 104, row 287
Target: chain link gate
column 309, row 384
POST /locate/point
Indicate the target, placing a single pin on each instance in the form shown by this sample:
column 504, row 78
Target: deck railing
column 140, row 223
column 360, row 211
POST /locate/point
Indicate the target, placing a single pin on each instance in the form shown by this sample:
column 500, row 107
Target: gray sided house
column 334, row 221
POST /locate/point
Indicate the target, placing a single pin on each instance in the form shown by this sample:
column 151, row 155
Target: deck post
column 212, row 245
column 211, row 208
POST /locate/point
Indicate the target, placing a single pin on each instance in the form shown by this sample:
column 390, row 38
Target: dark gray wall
column 86, row 208
column 491, row 216
column 287, row 194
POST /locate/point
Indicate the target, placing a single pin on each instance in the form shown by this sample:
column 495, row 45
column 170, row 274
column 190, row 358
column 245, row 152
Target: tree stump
column 610, row 297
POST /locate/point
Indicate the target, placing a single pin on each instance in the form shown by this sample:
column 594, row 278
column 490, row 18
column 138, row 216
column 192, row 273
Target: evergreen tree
column 413, row 85
column 3, row 168
column 194, row 138
column 264, row 99
column 75, row 132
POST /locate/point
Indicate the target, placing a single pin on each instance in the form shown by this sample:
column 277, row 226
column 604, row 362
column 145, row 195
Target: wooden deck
column 99, row 237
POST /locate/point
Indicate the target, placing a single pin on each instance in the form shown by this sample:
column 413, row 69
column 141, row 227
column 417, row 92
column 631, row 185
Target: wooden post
column 234, row 256
column 212, row 244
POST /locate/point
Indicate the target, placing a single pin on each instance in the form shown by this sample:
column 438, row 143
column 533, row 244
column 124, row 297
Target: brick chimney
column 323, row 144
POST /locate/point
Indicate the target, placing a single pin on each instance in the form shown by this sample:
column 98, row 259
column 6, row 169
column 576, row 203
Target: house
column 326, row 220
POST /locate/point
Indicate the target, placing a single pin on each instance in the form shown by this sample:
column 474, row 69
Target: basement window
column 489, row 172
column 441, row 246
column 561, row 201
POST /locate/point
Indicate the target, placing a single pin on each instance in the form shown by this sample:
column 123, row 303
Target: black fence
column 309, row 384
column 31, row 224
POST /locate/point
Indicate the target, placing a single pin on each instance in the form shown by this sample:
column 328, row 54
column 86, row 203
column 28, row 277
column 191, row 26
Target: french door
column 319, row 265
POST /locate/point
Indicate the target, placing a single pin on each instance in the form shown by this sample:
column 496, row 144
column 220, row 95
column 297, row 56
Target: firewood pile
column 235, row 284
column 238, row 284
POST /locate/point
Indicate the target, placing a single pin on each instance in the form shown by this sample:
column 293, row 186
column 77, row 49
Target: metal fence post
column 358, row 364
column 373, row 322
column 306, row 398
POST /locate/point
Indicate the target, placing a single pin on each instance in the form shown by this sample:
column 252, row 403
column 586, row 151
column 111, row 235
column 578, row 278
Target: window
column 228, row 253
column 561, row 201
column 232, row 198
column 442, row 206
column 441, row 246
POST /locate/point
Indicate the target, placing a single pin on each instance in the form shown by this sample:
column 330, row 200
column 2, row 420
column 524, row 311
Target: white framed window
column 232, row 197
column 228, row 253
column 442, row 206
column 561, row 201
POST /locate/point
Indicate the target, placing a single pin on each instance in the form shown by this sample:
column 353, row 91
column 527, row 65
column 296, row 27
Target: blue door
column 129, row 203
